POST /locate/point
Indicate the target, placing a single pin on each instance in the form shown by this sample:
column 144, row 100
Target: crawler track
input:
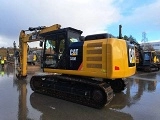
column 85, row 91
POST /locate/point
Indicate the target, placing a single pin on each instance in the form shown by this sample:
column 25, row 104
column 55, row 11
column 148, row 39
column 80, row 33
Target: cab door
column 53, row 49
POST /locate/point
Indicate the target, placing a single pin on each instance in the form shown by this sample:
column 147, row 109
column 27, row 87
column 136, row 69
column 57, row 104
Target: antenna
column 144, row 38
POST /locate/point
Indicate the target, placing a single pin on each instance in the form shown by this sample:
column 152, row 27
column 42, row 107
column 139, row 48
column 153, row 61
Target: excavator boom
column 23, row 46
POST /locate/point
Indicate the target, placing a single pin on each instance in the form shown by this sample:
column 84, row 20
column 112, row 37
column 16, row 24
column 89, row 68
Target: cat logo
column 73, row 52
column 131, row 55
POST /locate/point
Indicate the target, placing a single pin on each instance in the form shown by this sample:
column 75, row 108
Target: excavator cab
column 56, row 47
column 147, row 58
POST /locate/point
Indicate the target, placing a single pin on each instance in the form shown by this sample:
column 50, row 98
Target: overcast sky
column 90, row 16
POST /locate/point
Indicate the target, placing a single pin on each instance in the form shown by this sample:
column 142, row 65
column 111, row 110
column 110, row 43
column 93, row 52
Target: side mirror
column 41, row 44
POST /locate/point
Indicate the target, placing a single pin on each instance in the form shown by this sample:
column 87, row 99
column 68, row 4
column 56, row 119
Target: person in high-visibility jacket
column 34, row 57
column 2, row 62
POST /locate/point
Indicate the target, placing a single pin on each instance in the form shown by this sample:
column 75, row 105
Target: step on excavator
column 85, row 70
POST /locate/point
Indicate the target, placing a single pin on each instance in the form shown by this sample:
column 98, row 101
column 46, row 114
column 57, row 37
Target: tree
column 125, row 37
column 147, row 47
column 130, row 38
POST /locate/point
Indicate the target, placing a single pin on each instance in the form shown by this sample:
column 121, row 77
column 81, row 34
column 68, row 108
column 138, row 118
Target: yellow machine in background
column 146, row 61
column 87, row 70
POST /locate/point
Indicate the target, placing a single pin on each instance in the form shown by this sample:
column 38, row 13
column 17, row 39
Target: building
column 154, row 45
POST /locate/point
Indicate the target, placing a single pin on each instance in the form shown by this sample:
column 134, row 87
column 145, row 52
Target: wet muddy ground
column 141, row 100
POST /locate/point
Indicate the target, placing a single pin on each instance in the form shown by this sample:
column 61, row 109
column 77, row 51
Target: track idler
column 118, row 85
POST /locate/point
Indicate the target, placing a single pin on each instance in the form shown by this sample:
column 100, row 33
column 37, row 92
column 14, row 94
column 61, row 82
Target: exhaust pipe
column 120, row 31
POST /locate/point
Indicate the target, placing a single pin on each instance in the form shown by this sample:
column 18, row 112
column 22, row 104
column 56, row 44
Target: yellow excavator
column 146, row 61
column 86, row 70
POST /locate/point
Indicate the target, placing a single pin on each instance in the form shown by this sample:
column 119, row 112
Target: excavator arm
column 34, row 35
